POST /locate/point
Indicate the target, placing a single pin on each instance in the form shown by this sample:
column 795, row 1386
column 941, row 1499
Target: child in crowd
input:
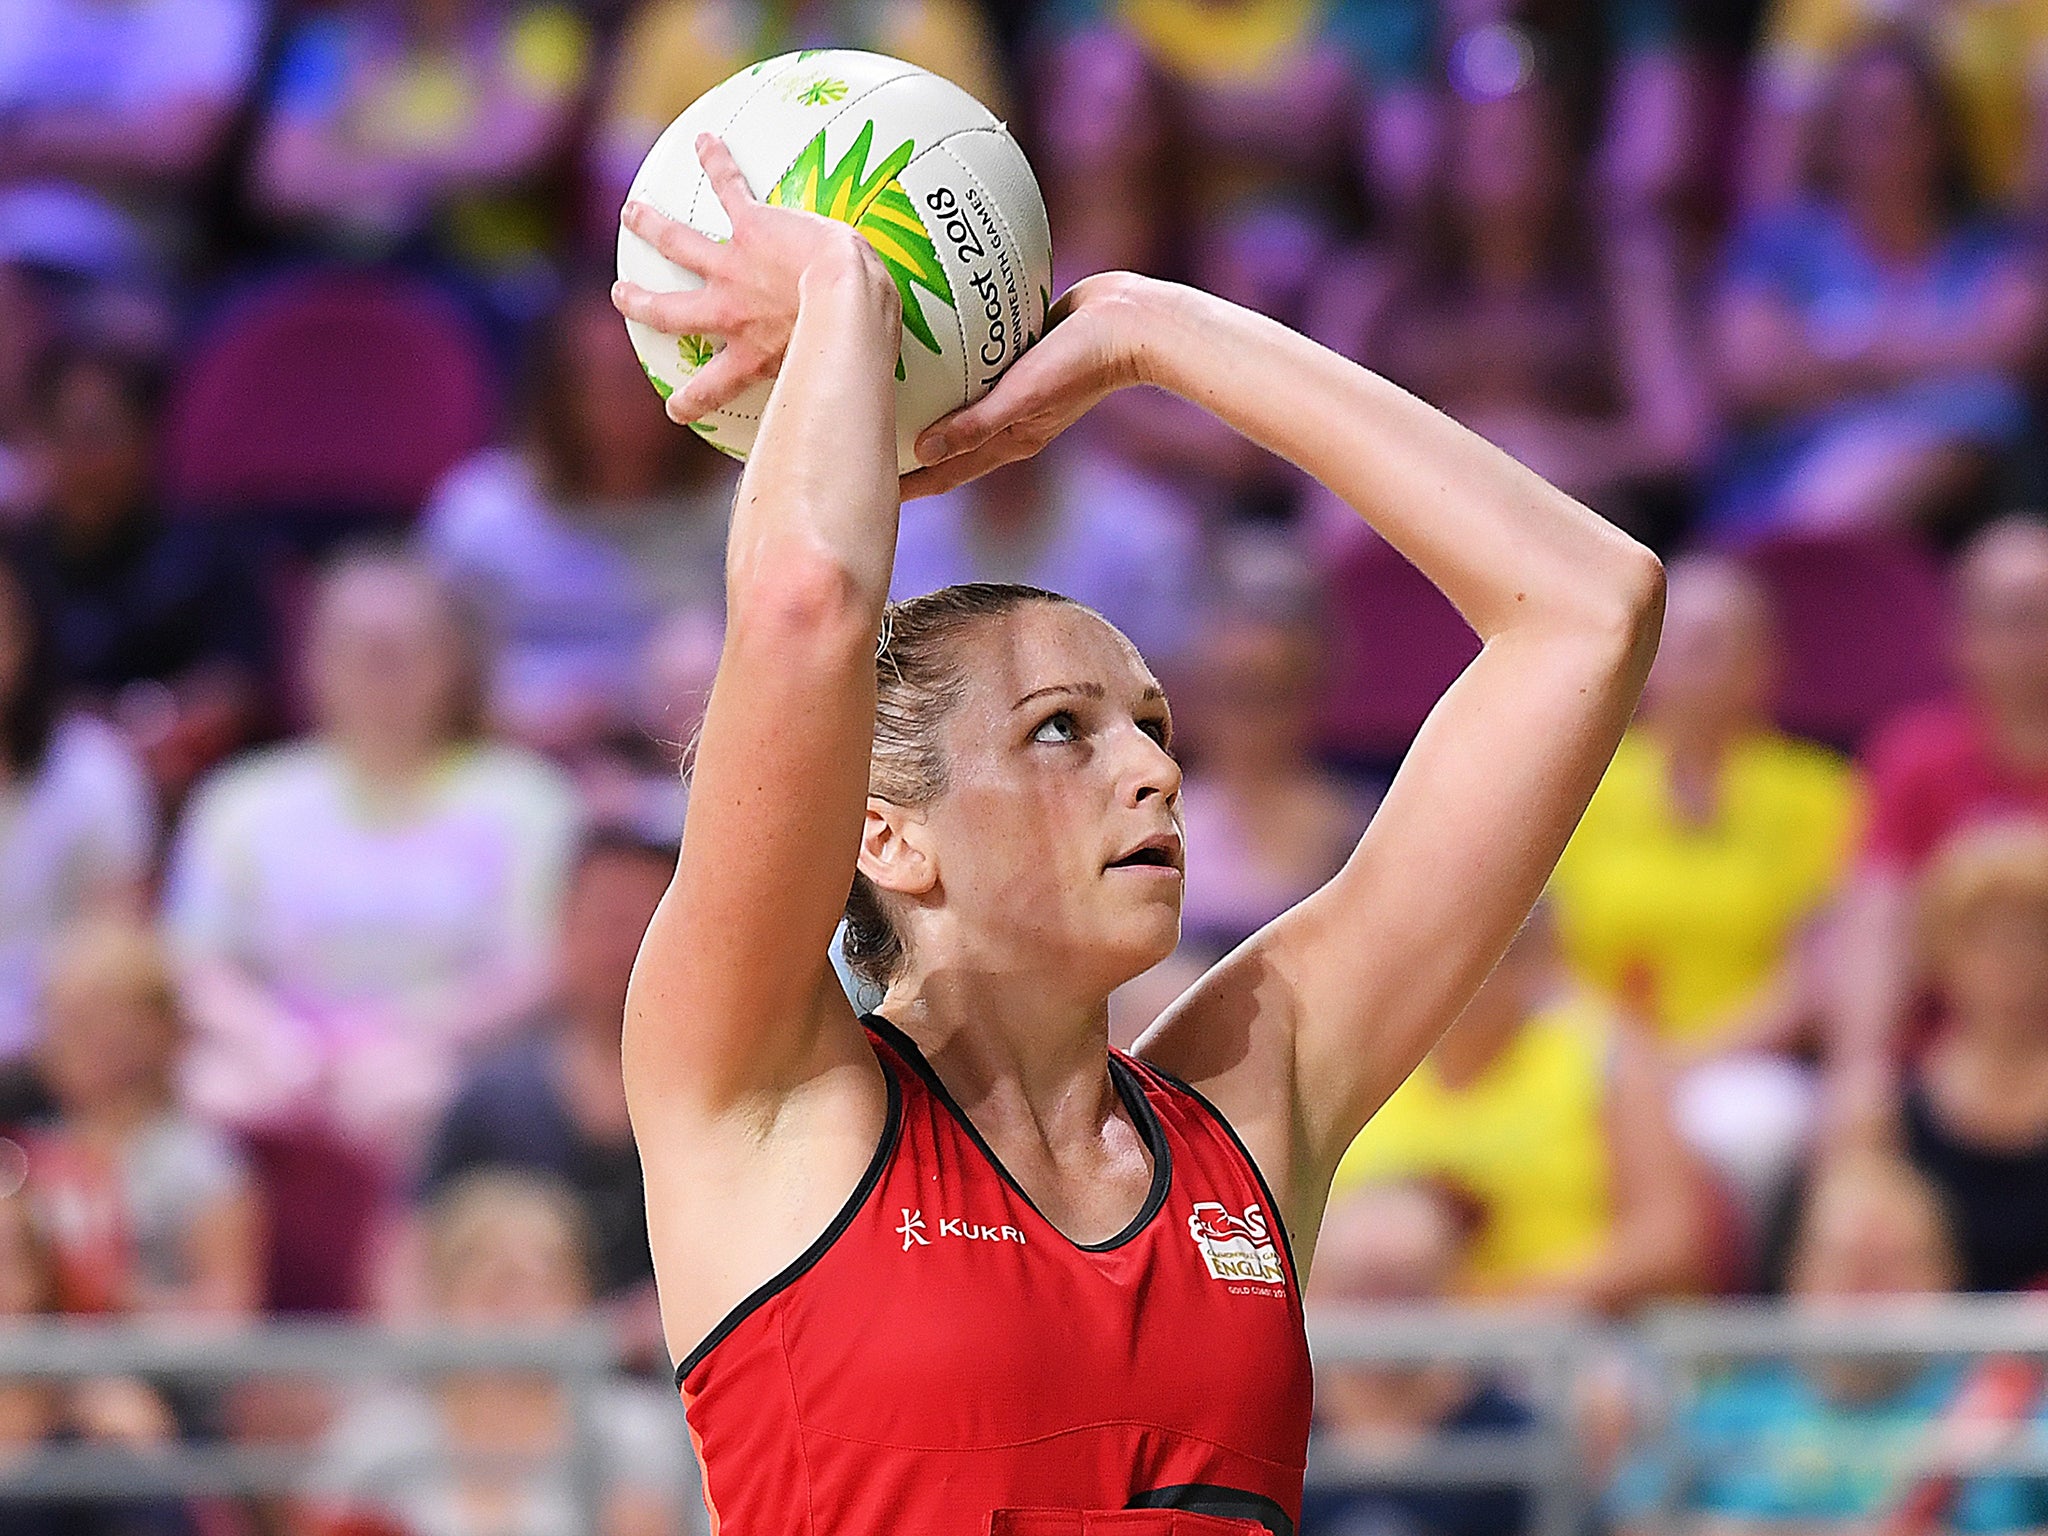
column 1835, row 1443
column 150, row 1211
column 1975, row 1105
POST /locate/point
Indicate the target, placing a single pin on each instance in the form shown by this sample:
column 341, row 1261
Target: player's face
column 1059, row 838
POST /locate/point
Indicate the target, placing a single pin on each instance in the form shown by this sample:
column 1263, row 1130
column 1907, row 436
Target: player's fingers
column 684, row 312
column 727, row 180
column 1019, row 418
column 964, row 430
column 717, row 383
column 1029, row 391
column 690, row 249
column 936, row 479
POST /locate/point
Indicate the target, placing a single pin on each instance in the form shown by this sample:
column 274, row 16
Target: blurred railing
column 1547, row 1357
column 583, row 1360
column 1543, row 1354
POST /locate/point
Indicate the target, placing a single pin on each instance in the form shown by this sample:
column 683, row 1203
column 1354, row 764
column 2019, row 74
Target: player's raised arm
column 733, row 997
column 1356, row 983
column 1303, row 1032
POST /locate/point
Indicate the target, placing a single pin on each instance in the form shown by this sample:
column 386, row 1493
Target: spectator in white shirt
column 360, row 912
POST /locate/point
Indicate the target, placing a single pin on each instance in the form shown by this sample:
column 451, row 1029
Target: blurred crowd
column 357, row 601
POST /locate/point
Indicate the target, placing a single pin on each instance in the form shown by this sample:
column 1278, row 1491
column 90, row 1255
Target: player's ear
column 895, row 852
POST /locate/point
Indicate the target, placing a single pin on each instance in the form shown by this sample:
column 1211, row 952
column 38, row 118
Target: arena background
column 356, row 599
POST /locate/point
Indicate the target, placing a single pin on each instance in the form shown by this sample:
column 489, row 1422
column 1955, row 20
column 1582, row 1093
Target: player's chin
column 1144, row 933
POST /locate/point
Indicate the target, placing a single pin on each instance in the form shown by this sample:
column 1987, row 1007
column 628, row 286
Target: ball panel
column 1002, row 307
column 766, row 114
column 998, row 163
column 779, row 123
column 670, row 177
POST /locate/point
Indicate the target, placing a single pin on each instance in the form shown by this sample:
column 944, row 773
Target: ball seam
column 745, row 101
column 1009, row 234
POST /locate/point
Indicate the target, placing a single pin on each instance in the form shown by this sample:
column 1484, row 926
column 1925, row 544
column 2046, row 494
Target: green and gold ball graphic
column 923, row 170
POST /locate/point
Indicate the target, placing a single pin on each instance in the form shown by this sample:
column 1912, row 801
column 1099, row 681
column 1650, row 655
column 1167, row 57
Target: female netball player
column 957, row 1268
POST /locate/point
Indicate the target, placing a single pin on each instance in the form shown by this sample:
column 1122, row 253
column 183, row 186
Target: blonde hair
column 463, row 1213
column 1999, row 862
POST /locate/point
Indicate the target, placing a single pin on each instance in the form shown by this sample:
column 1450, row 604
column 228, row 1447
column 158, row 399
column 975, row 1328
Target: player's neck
column 1009, row 1038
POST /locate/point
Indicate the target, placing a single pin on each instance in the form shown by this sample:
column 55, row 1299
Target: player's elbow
column 801, row 596
column 1640, row 590
column 1622, row 604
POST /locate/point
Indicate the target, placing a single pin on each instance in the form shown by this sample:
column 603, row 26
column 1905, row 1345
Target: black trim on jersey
column 1128, row 1089
column 1279, row 1213
column 892, row 1126
column 1213, row 1499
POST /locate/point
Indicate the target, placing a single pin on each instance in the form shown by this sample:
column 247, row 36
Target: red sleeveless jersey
column 944, row 1362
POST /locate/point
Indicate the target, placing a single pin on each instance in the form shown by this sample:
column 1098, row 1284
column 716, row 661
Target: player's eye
column 1159, row 730
column 1057, row 728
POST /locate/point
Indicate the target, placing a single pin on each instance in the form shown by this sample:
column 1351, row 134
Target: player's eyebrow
column 1153, row 693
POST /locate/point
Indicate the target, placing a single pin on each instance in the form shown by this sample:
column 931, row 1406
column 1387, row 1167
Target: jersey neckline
column 1128, row 1089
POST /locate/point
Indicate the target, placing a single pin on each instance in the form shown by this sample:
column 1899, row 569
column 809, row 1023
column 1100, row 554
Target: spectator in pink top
column 1980, row 756
column 1984, row 754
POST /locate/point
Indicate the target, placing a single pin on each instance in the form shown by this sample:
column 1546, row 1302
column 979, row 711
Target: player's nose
column 1152, row 770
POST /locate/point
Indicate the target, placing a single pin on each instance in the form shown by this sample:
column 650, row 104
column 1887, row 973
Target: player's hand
column 1090, row 349
column 749, row 297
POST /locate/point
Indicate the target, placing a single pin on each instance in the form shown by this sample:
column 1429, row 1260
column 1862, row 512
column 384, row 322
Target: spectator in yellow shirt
column 1556, row 1122
column 1715, row 842
column 1693, row 894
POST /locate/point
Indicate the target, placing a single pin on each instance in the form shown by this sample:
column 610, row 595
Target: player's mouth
column 1161, row 852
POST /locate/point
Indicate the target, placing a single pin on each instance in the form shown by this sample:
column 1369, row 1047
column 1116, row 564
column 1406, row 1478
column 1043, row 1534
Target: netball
column 928, row 174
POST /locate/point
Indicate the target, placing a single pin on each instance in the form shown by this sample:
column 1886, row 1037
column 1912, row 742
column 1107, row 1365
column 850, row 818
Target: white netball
column 927, row 173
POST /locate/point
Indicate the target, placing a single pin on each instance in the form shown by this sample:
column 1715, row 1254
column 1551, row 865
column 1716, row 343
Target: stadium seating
column 1864, row 618
column 1395, row 644
column 339, row 394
